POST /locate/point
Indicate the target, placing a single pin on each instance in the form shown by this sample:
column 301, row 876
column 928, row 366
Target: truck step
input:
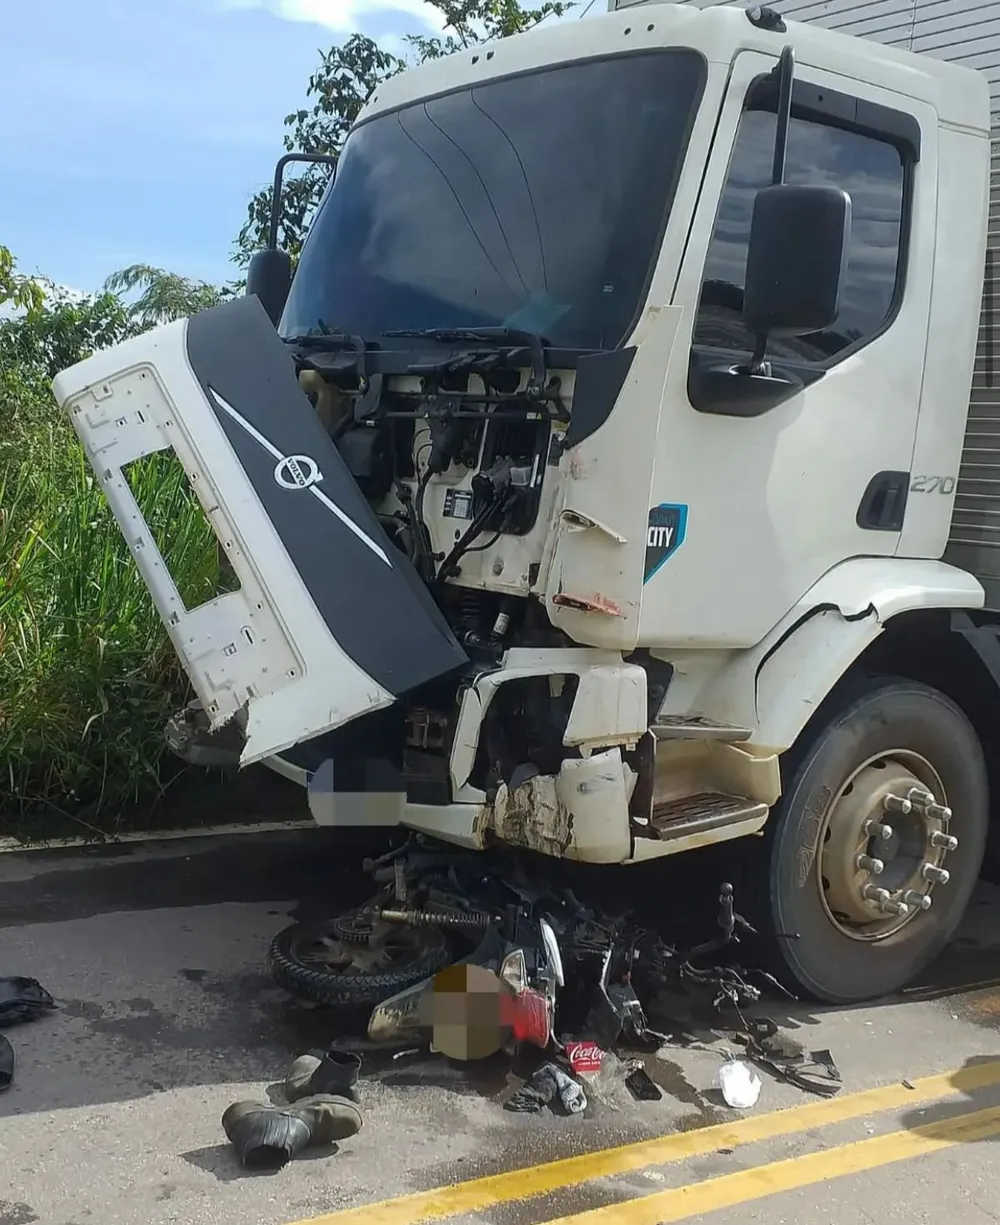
column 697, row 727
column 696, row 814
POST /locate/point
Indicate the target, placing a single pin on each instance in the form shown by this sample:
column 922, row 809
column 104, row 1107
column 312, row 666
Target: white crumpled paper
column 739, row 1083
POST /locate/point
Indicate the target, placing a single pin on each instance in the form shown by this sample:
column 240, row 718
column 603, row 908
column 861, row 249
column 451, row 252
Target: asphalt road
column 155, row 954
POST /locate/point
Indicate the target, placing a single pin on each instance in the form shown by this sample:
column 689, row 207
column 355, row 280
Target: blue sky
column 137, row 130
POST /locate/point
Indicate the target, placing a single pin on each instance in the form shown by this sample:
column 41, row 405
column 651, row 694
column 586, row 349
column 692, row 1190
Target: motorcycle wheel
column 313, row 961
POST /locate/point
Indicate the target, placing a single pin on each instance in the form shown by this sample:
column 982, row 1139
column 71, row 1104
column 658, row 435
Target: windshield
column 534, row 202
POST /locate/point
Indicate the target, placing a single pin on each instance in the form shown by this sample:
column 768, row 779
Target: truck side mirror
column 799, row 239
column 270, row 278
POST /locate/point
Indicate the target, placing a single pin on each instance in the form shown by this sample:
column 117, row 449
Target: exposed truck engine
column 587, row 487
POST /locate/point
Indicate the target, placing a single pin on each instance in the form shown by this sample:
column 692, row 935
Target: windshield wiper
column 325, row 340
column 514, row 335
column 535, row 344
column 324, row 337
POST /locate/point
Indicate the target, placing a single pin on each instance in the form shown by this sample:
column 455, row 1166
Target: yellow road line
column 480, row 1193
column 680, row 1203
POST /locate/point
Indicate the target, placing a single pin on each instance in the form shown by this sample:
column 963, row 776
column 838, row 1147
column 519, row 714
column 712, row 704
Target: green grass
column 87, row 673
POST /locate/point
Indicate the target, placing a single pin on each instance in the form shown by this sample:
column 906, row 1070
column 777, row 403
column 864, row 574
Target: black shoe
column 334, row 1072
column 6, row 1064
column 268, row 1137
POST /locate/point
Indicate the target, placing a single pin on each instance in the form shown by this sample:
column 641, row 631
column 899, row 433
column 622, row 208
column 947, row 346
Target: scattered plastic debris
column 609, row 1086
column 600, row 1071
column 740, row 1084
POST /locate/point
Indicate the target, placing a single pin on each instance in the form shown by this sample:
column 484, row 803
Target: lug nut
column 872, row 893
column 920, row 797
column 865, row 863
column 938, row 812
column 899, row 909
column 875, row 829
column 945, row 842
column 922, row 901
column 897, row 803
column 938, row 876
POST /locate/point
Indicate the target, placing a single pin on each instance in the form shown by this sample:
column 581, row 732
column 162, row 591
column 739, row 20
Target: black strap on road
column 814, row 1071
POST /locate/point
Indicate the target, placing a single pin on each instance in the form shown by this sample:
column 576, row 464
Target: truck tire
column 883, row 736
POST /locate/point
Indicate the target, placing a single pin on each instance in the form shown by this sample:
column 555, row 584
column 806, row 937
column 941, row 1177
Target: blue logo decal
column 665, row 534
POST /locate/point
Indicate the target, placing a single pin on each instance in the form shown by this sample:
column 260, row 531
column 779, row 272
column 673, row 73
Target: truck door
column 775, row 494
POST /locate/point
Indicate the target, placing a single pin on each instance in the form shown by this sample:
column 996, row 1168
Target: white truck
column 605, row 484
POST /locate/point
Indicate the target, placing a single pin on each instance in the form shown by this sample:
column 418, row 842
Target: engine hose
column 462, row 546
column 421, row 536
column 472, row 920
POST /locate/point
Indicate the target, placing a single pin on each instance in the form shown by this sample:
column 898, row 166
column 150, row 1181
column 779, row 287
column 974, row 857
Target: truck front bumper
column 581, row 812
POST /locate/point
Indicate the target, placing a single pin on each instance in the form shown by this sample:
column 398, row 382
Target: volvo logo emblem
column 297, row 472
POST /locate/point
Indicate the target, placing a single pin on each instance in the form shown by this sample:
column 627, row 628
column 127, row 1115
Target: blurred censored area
column 475, row 1012
column 470, row 1012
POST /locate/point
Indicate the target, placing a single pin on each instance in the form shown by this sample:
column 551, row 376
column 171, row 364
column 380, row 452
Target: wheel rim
column 392, row 948
column 883, row 844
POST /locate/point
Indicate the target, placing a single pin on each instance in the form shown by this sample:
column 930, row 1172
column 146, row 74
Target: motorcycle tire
column 418, row 953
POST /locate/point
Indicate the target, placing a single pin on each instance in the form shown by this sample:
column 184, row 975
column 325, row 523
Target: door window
column 874, row 173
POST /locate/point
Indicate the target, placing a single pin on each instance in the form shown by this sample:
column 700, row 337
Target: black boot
column 6, row 1063
column 268, row 1137
column 336, row 1072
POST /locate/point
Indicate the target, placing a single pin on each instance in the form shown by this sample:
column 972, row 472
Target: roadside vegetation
column 87, row 674
column 87, row 677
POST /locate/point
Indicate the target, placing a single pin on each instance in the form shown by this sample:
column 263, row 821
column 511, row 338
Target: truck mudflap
column 330, row 620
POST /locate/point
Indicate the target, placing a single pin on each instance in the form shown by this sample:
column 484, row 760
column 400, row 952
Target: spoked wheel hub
column 385, row 947
column 355, row 927
column 884, row 844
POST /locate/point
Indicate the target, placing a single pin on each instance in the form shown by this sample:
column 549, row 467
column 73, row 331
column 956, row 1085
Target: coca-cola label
column 585, row 1058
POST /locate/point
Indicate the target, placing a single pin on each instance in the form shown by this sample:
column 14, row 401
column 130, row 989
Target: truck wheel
column 876, row 845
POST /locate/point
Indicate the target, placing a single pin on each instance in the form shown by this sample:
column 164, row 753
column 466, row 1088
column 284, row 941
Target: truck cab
column 590, row 485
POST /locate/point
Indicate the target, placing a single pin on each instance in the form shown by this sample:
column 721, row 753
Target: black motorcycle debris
column 567, row 978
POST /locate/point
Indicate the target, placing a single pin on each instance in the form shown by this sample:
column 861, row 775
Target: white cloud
column 342, row 16
column 395, row 44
